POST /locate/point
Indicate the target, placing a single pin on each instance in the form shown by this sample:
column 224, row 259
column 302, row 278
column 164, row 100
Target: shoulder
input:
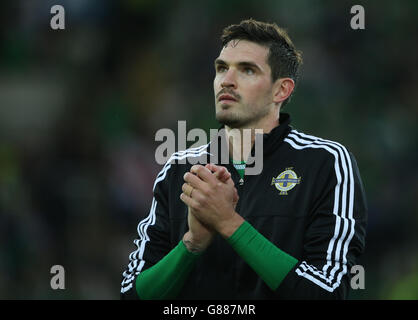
column 181, row 161
column 316, row 146
column 321, row 154
column 186, row 156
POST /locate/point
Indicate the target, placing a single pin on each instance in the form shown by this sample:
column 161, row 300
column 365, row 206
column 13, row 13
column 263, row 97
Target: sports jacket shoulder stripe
column 344, row 222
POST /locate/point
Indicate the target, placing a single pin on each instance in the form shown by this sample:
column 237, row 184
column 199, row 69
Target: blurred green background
column 79, row 109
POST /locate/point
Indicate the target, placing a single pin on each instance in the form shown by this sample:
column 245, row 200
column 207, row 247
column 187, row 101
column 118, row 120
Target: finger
column 187, row 189
column 236, row 197
column 204, row 173
column 214, row 168
column 195, row 181
column 223, row 176
column 230, row 182
column 220, row 172
column 190, row 202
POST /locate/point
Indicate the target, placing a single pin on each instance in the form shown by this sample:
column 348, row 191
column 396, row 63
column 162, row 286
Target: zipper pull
column 241, row 181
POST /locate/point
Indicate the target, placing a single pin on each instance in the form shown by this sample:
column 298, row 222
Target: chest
column 281, row 190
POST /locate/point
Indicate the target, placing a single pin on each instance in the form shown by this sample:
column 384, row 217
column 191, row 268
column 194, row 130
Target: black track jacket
column 308, row 200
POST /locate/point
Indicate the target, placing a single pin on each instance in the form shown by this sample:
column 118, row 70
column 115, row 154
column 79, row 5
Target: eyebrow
column 241, row 64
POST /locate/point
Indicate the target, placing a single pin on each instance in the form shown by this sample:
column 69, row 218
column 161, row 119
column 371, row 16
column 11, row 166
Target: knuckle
column 206, row 191
column 195, row 206
column 201, row 200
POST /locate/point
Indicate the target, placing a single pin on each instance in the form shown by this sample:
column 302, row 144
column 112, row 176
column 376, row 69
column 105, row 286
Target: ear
column 282, row 89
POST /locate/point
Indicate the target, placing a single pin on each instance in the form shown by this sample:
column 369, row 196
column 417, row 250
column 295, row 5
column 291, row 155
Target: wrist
column 231, row 225
column 192, row 244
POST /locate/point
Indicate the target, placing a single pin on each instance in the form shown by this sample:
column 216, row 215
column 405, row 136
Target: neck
column 241, row 140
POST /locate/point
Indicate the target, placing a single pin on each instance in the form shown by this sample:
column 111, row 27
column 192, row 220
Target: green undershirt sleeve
column 165, row 279
column 269, row 262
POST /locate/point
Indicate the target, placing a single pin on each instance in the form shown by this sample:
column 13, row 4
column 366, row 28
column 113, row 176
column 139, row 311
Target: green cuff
column 269, row 262
column 165, row 279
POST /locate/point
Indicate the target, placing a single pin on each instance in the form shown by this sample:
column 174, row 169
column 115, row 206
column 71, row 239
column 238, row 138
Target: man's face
column 242, row 85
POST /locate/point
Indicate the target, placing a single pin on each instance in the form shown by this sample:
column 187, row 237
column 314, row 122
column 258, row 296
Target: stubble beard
column 235, row 120
column 231, row 120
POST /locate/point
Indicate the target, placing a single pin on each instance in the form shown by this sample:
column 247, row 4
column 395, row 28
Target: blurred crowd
column 79, row 109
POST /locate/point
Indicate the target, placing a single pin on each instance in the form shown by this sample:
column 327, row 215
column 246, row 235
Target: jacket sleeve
column 153, row 241
column 335, row 233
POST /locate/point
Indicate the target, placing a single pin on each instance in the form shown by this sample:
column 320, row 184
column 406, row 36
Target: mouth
column 226, row 98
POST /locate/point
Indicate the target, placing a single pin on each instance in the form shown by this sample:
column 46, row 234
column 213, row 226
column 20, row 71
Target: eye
column 220, row 69
column 249, row 71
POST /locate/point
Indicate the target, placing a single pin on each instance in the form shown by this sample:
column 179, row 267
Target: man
column 291, row 232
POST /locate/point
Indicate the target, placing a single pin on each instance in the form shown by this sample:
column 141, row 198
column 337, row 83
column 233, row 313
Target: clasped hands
column 211, row 197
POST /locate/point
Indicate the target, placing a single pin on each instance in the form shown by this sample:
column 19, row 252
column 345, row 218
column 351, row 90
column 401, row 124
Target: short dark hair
column 283, row 58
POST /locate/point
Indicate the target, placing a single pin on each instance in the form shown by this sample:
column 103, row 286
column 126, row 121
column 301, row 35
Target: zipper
column 238, row 181
column 239, row 185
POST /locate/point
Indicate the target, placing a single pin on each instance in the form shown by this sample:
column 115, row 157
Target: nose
column 229, row 80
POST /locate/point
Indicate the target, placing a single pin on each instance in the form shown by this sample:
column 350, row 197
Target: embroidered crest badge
column 286, row 181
